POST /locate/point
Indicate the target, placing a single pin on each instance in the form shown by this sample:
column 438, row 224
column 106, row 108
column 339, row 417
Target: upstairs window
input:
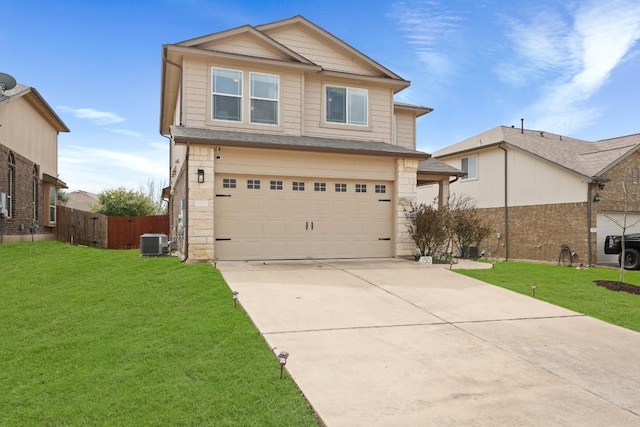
column 264, row 98
column 227, row 95
column 347, row 105
column 470, row 166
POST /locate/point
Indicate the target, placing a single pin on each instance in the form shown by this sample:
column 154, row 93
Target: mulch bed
column 618, row 286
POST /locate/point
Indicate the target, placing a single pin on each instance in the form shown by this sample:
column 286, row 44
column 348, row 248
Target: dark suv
column 613, row 246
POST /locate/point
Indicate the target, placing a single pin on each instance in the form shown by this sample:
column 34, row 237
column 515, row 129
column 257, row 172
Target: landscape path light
column 282, row 359
column 533, row 289
column 235, row 294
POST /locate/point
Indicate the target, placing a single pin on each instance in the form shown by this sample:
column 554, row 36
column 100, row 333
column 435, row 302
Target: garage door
column 607, row 227
column 260, row 217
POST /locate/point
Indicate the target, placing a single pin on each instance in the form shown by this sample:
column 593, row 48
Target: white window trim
column 346, row 123
column 276, row 100
column 470, row 178
column 241, row 96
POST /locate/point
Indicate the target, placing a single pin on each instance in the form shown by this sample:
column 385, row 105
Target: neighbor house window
column 253, row 184
column 346, row 105
column 34, row 201
column 298, row 186
column 341, row 188
column 275, row 185
column 264, row 98
column 381, row 188
column 319, row 186
column 11, row 182
column 361, row 188
column 227, row 94
column 228, row 183
column 470, row 166
column 634, row 176
column 53, row 196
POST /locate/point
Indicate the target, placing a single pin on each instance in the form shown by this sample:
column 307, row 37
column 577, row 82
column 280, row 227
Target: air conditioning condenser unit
column 154, row 244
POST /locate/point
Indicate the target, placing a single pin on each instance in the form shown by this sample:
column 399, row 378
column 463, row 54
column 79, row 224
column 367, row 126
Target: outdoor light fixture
column 234, row 294
column 200, row 176
column 597, row 198
column 282, row 359
column 533, row 289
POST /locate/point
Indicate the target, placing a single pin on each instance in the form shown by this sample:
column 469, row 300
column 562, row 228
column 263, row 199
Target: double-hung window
column 470, row 166
column 227, row 95
column 11, row 181
column 264, row 98
column 346, row 105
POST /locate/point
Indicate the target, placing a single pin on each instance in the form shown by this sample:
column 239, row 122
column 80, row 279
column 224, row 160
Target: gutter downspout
column 506, row 205
column 179, row 67
column 185, row 252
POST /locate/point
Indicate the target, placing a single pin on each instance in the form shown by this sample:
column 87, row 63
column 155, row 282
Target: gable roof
column 37, row 101
column 586, row 158
column 434, row 166
column 183, row 135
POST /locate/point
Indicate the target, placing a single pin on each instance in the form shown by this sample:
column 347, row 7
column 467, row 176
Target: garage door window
column 319, row 186
column 253, row 184
column 341, row 188
column 381, row 188
column 361, row 188
column 298, row 186
column 229, row 183
column 275, row 185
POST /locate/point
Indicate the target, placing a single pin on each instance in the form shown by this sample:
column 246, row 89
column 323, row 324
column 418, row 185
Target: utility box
column 154, row 244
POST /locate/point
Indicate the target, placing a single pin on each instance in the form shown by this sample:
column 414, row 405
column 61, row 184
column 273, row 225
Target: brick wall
column 537, row 232
column 612, row 195
column 23, row 200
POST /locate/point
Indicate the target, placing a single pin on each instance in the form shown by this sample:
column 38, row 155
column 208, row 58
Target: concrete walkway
column 395, row 343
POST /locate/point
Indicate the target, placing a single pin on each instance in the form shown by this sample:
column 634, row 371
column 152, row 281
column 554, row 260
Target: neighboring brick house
column 541, row 190
column 28, row 165
column 286, row 143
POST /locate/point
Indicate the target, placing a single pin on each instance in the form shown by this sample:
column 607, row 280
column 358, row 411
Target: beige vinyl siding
column 380, row 101
column 291, row 163
column 405, row 130
column 29, row 134
column 196, row 93
column 330, row 57
column 244, row 44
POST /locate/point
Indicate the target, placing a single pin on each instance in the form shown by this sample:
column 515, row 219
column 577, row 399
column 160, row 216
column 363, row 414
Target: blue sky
column 570, row 67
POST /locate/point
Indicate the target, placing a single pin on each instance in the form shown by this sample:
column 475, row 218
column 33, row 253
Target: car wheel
column 631, row 259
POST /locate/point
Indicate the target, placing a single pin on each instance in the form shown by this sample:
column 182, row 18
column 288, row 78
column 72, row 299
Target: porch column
column 443, row 192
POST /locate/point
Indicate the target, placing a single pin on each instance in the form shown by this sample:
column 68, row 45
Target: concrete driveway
column 395, row 343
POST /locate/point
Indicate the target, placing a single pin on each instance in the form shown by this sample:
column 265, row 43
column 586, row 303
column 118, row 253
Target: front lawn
column 97, row 337
column 569, row 287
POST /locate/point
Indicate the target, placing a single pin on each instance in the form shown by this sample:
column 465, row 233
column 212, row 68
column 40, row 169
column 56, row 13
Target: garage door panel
column 288, row 224
column 607, row 227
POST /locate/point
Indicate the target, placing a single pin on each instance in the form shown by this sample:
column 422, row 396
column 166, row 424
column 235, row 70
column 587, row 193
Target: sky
column 568, row 67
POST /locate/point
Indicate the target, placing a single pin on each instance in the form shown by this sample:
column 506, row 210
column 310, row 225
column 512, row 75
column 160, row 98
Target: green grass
column 570, row 288
column 97, row 337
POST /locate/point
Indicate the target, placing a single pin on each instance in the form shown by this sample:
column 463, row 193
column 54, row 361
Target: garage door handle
column 311, row 225
column 307, row 226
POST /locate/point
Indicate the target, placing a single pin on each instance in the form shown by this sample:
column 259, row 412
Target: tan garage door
column 607, row 227
column 258, row 217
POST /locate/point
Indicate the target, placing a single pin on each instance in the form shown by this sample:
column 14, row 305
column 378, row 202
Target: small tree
column 123, row 202
column 427, row 227
column 154, row 193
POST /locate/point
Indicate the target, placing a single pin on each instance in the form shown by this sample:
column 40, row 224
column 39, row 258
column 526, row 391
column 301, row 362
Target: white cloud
column 571, row 61
column 428, row 27
column 97, row 117
column 95, row 169
column 127, row 132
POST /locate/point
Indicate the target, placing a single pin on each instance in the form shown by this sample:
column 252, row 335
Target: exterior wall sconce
column 282, row 359
column 200, row 176
column 597, row 198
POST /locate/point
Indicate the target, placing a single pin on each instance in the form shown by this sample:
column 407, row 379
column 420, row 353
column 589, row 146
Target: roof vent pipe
column 522, row 126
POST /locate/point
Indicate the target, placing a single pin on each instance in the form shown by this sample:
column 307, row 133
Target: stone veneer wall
column 201, row 239
column 406, row 194
column 536, row 232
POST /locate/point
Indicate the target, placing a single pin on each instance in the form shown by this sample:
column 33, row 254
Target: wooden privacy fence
column 81, row 228
column 100, row 231
column 125, row 231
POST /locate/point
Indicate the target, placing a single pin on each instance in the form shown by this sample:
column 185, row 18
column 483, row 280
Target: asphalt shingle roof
column 437, row 167
column 584, row 157
column 291, row 142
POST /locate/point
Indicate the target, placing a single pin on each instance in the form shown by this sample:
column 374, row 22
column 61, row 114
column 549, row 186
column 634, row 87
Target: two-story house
column 542, row 190
column 286, row 143
column 29, row 182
